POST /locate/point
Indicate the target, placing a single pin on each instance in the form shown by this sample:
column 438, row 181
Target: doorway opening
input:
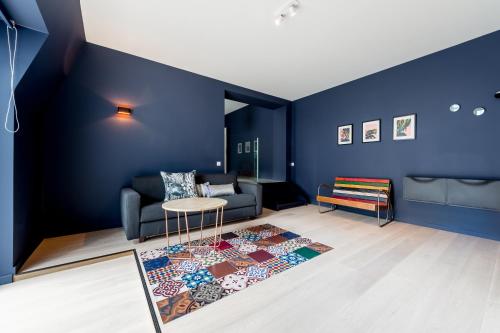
column 255, row 137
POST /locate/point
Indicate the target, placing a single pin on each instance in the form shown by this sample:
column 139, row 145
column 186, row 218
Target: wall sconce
column 121, row 110
column 497, row 94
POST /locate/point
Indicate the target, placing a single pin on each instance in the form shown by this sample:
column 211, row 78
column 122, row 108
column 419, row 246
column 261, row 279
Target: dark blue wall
column 34, row 94
column 280, row 143
column 269, row 126
column 26, row 13
column 73, row 155
column 448, row 144
column 177, row 124
column 42, row 62
column 29, row 42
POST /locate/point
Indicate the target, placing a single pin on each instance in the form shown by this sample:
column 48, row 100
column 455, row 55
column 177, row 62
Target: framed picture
column 344, row 135
column 247, row 147
column 371, row 131
column 240, row 148
column 255, row 146
column 404, row 127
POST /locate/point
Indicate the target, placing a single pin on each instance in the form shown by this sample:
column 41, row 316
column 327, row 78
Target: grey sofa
column 142, row 215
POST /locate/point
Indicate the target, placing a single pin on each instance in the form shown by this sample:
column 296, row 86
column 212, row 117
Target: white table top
column 193, row 204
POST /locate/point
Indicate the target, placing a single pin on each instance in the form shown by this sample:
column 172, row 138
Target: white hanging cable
column 12, row 98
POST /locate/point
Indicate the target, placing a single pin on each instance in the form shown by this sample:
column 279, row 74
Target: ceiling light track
column 289, row 10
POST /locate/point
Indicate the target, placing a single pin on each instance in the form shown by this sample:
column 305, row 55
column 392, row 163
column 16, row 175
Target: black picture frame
column 352, row 135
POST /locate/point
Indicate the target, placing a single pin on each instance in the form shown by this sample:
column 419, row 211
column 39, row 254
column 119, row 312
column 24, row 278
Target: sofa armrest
column 130, row 211
column 256, row 190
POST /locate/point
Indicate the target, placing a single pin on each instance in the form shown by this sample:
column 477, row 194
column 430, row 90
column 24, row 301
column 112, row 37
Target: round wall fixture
column 479, row 111
column 454, row 107
column 497, row 94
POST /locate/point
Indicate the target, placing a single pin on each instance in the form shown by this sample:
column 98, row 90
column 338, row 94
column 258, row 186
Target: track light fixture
column 280, row 19
column 293, row 8
column 289, row 10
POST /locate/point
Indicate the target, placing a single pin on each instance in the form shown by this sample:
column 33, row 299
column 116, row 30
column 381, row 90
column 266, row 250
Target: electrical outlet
column 219, row 163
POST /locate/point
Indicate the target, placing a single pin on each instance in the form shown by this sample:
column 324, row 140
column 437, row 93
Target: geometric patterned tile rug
column 245, row 257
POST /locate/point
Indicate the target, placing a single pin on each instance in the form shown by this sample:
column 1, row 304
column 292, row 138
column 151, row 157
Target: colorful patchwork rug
column 176, row 287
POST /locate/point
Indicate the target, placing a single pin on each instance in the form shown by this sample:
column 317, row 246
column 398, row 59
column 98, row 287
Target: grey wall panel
column 424, row 189
column 469, row 193
column 482, row 194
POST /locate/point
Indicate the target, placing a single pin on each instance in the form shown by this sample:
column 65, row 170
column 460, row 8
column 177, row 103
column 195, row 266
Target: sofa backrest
column 218, row 179
column 153, row 189
column 149, row 187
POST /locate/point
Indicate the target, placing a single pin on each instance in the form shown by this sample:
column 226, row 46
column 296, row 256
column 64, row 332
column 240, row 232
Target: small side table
column 189, row 205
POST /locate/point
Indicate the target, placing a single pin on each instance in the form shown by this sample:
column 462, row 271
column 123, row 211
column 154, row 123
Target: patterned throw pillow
column 179, row 185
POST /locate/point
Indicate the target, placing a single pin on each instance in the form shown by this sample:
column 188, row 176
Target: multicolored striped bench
column 371, row 194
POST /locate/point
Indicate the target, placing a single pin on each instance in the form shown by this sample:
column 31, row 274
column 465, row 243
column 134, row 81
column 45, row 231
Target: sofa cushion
column 202, row 190
column 152, row 188
column 149, row 187
column 239, row 201
column 218, row 179
column 179, row 185
column 221, row 190
column 154, row 212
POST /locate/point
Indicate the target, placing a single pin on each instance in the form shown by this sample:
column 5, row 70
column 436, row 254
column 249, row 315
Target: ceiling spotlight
column 280, row 19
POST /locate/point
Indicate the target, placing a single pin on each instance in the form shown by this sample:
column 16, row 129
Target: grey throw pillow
column 221, row 190
column 203, row 190
column 179, row 185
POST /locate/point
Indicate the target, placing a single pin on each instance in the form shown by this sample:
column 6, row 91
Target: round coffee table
column 190, row 205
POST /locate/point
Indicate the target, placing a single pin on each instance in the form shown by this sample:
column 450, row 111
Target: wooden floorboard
column 70, row 265
column 400, row 278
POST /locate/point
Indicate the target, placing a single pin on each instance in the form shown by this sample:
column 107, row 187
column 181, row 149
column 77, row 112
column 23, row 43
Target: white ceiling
column 328, row 43
column 231, row 106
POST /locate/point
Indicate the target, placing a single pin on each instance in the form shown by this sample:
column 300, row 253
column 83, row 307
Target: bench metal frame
column 389, row 212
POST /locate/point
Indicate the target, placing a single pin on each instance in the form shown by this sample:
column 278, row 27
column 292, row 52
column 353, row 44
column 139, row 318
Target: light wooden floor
column 400, row 278
column 65, row 249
